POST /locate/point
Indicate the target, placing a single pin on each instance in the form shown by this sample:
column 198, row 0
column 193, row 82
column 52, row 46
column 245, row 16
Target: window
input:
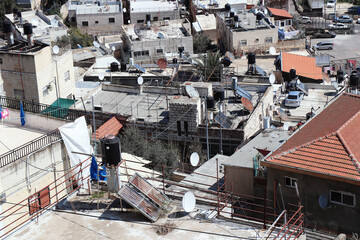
column 1, row 61
column 140, row 21
column 45, row 91
column 73, row 19
column 243, row 42
column 186, row 127
column 67, row 75
column 268, row 40
column 85, row 24
column 159, row 51
column 141, row 53
column 166, row 18
column 111, row 20
column 96, row 22
column 156, row 19
column 179, row 128
column 39, row 200
column 290, row 182
column 342, row 198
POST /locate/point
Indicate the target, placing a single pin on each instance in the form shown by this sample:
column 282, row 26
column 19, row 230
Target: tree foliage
column 158, row 153
column 201, row 43
column 76, row 37
column 209, row 64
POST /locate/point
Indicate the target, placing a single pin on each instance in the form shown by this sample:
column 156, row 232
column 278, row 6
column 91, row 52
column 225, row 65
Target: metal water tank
column 148, row 17
column 219, row 95
column 340, row 76
column 111, row 150
column 251, row 58
column 15, row 11
column 174, row 60
column 210, row 103
column 7, row 27
column 292, row 74
column 28, row 29
column 354, row 79
column 234, row 83
column 114, row 67
column 19, row 14
column 226, row 61
column 227, row 7
column 232, row 14
column 266, row 122
column 236, row 18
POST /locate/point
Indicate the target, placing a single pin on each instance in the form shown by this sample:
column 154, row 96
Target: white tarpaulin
column 76, row 139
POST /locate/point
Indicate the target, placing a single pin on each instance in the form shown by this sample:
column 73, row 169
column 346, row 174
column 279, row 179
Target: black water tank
column 292, row 74
column 232, row 14
column 174, row 60
column 227, row 7
column 111, row 152
column 15, row 10
column 210, row 102
column 259, row 16
column 251, row 58
column 123, row 67
column 340, row 76
column 28, row 29
column 7, row 27
column 219, row 95
column 19, row 14
column 236, row 18
column 226, row 61
column 148, row 17
column 181, row 49
column 114, row 67
column 354, row 80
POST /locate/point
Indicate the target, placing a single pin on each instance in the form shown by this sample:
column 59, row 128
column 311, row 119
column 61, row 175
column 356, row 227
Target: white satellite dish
column 124, row 10
column 272, row 50
column 55, row 49
column 140, row 80
column 188, row 202
column 101, row 76
column 113, row 48
column 272, row 79
column 194, row 159
column 96, row 44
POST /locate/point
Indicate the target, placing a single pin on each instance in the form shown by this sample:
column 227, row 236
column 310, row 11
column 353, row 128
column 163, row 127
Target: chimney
column 8, row 31
column 28, row 31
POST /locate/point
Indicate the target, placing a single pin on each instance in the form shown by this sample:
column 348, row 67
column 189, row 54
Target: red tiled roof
column 279, row 12
column 304, row 66
column 111, row 127
column 327, row 145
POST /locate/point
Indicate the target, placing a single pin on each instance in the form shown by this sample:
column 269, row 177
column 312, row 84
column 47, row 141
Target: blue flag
column 22, row 114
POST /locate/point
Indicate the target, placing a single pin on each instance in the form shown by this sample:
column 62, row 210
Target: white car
column 305, row 20
column 294, row 98
column 358, row 21
column 338, row 26
column 331, row 3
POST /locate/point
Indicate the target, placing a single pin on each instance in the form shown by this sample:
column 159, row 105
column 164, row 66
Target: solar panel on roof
column 191, row 91
column 223, row 120
column 139, row 68
column 260, row 71
column 302, row 87
column 242, row 93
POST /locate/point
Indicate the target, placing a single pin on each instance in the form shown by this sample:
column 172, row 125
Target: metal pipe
column 207, row 131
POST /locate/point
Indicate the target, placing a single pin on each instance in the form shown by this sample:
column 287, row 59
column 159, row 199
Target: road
column 345, row 46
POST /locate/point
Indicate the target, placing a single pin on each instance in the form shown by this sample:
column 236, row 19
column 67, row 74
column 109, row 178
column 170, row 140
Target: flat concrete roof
column 268, row 139
column 152, row 6
column 206, row 22
column 13, row 136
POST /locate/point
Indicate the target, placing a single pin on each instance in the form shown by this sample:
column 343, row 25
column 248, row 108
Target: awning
column 59, row 108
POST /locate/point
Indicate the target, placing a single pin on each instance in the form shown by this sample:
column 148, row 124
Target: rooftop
column 21, row 47
column 95, row 7
column 327, row 145
column 220, row 4
column 206, row 22
column 110, row 127
column 152, row 6
column 158, row 30
column 279, row 13
column 304, row 66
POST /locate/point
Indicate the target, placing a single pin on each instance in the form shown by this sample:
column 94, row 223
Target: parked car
column 354, row 10
column 294, row 98
column 305, row 20
column 337, row 26
column 358, row 21
column 324, row 45
column 331, row 3
column 343, row 19
column 324, row 34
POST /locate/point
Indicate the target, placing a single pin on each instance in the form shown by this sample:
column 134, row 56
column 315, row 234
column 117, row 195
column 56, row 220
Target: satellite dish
column 162, row 63
column 272, row 50
column 194, row 159
column 113, row 48
column 101, row 76
column 323, row 200
column 188, row 202
column 124, row 10
column 247, row 104
column 140, row 80
column 96, row 44
column 272, row 79
column 55, row 49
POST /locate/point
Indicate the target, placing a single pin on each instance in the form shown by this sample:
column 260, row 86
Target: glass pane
column 287, row 182
column 348, row 199
column 335, row 196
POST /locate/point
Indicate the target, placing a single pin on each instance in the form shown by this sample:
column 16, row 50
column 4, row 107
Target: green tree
column 209, row 64
column 6, row 6
column 132, row 142
column 201, row 43
column 76, row 37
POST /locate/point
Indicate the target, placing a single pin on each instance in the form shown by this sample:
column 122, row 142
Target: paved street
column 345, row 46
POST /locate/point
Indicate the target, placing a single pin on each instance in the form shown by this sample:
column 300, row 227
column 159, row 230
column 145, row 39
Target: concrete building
column 281, row 18
column 46, row 29
column 29, row 4
column 96, row 17
column 32, row 72
column 239, row 30
column 206, row 24
column 146, row 43
column 321, row 161
column 153, row 10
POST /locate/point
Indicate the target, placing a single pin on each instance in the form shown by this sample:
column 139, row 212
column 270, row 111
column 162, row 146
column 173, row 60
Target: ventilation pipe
column 28, row 31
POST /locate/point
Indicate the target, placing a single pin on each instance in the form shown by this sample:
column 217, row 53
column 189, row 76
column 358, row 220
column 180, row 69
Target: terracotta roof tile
column 326, row 145
column 111, row 127
column 304, row 66
column 279, row 12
